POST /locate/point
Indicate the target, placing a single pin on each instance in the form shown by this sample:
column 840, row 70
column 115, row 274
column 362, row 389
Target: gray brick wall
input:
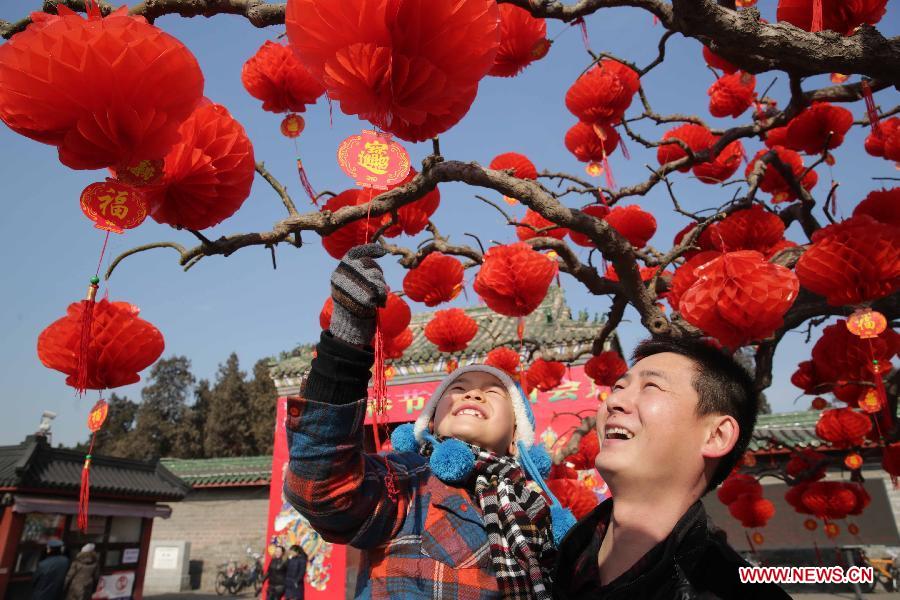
column 220, row 523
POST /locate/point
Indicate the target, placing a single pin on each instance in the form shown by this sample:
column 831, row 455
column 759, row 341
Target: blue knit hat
column 452, row 461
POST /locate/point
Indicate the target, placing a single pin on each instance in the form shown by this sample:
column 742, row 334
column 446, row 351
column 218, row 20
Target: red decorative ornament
column 396, row 64
column 732, row 94
column 646, row 273
column 97, row 416
column 505, row 359
column 598, row 211
column 514, row 279
column 438, row 278
column 523, row 40
column 843, row 427
column 451, row 330
column 866, row 323
column 686, row 275
column 325, row 313
column 772, row 181
column 817, row 128
column 412, row 218
column 885, row 143
column 338, row 243
column 753, row 228
column 113, row 206
column 748, row 459
column 292, row 126
column 832, row 530
column 394, row 318
column 542, row 227
column 544, row 374
column 890, row 461
column 870, row 401
column 723, row 166
column 853, row 261
column 520, row 164
column 757, row 537
column 374, row 160
column 696, row 137
column 700, row 243
column 819, row 403
column 834, row 499
column 574, row 495
column 142, row 173
column 739, row 297
column 603, row 93
column 121, row 345
column 635, row 225
column 717, row 62
column 738, row 485
column 106, row 91
column 853, row 461
column 605, row 368
column 881, row 205
column 806, row 379
column 275, row 76
column 835, row 15
column 588, row 448
column 853, row 529
column 587, row 145
column 752, row 512
column 394, row 347
column 794, row 497
column 208, row 172
column 807, row 465
column 810, row 524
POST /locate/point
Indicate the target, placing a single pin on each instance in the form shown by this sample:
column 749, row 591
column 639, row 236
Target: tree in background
column 228, row 430
column 163, row 412
column 263, row 398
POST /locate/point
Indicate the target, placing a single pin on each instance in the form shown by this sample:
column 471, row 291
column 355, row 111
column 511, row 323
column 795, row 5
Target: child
column 450, row 514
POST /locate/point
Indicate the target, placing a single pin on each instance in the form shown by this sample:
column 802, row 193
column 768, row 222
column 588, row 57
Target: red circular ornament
column 113, row 206
column 437, row 279
column 143, row 172
column 505, row 359
column 832, row 530
column 871, row 401
column 520, row 164
column 97, row 416
column 544, row 374
column 866, row 323
column 819, row 403
column 732, row 94
column 523, row 40
column 853, row 461
column 275, row 76
column 451, row 330
column 810, row 524
column 853, row 529
column 757, row 536
column 843, row 427
column 373, row 160
column 292, row 125
column 514, row 279
column 605, row 368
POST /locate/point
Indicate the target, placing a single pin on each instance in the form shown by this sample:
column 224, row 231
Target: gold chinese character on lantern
column 118, row 208
column 866, row 323
column 374, row 157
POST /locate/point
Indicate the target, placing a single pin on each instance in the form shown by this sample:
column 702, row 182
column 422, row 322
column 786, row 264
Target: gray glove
column 358, row 289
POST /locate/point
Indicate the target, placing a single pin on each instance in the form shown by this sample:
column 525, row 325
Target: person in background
column 296, row 571
column 83, row 575
column 275, row 575
column 50, row 575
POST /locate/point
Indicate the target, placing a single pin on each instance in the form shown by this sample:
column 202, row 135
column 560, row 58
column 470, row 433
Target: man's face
column 476, row 408
column 649, row 431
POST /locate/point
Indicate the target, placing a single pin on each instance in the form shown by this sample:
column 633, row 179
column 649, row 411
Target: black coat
column 690, row 564
column 293, row 582
column 49, row 578
column 276, row 572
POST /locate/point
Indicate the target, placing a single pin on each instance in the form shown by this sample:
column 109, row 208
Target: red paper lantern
column 537, row 221
column 819, row 403
column 717, row 62
column 113, row 205
column 514, row 279
column 834, row 499
column 275, row 76
column 635, row 225
column 207, row 173
column 545, row 374
column 686, row 275
column 696, row 137
column 121, row 345
column 361, row 231
column 842, row 16
column 794, row 497
column 739, row 485
column 438, row 278
column 412, row 218
column 505, row 359
column 292, row 126
column 606, row 368
column 583, row 141
column 325, row 313
column 394, row 318
column 777, row 136
column 807, row 465
column 603, row 93
column 752, row 512
column 890, row 460
column 732, row 94
column 882, row 205
column 853, row 461
column 598, row 211
column 832, row 530
column 843, row 427
column 646, row 273
column 395, row 346
column 523, row 40
column 521, row 166
column 107, row 91
column 853, row 261
column 817, row 128
column 753, row 228
column 853, row 529
column 739, row 297
column 723, row 166
column 885, row 143
column 588, row 448
column 411, row 68
column 840, row 356
column 810, row 524
column 451, row 330
column 772, row 181
column 574, row 495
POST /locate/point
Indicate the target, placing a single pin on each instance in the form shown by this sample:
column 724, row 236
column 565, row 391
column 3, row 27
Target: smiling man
column 672, row 429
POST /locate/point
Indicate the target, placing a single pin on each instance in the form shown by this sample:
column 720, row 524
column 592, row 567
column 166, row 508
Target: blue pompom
column 541, row 459
column 562, row 519
column 403, row 439
column 452, row 461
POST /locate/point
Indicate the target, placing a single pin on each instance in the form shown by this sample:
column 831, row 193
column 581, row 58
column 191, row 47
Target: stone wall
column 220, row 523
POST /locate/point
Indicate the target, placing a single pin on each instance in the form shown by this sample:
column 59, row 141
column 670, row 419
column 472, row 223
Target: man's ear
column 722, row 434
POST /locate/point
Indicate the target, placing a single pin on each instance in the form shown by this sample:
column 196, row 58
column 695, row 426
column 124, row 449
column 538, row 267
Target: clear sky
column 48, row 249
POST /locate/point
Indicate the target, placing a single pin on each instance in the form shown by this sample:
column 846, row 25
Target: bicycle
column 224, row 577
column 886, row 571
column 247, row 576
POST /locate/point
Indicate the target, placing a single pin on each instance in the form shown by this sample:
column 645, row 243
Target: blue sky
column 48, row 249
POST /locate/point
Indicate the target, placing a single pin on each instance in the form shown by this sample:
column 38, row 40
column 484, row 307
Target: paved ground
column 882, row 595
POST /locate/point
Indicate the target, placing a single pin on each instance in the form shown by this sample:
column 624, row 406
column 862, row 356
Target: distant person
column 50, row 575
column 296, row 571
column 83, row 575
column 275, row 575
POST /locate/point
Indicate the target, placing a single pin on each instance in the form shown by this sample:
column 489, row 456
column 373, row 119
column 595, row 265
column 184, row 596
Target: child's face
column 476, row 408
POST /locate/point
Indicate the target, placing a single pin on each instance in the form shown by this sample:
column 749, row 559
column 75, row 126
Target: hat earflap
column 451, row 460
column 561, row 517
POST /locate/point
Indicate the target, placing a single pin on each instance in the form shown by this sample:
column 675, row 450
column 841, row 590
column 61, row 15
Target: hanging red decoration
column 695, row 137
column 870, row 401
column 890, row 461
column 395, row 346
column 583, row 141
column 605, row 368
column 521, row 165
column 646, row 273
column 794, row 497
column 772, row 181
column 819, row 403
column 505, row 359
column 882, row 205
column 885, row 143
column 514, row 279
column 603, row 93
column 732, row 94
column 635, row 225
column 588, row 448
column 275, row 76
column 107, row 91
column 723, row 166
column 121, row 345
column 374, row 160
column 834, row 499
column 701, row 243
column 412, row 218
column 523, row 40
column 853, row 529
column 835, row 15
column 325, row 313
column 866, row 323
column 832, row 530
column 752, row 512
column 851, row 262
column 853, row 461
column 598, row 211
column 438, row 278
column 810, row 524
column 686, row 275
column 208, row 172
column 739, row 297
column 843, row 427
column 574, row 495
column 113, row 206
column 540, row 225
column 338, row 243
column 545, row 374
column 739, row 485
column 753, row 228
column 717, row 62
column 807, row 465
column 95, row 421
column 141, row 173
column 394, row 317
column 451, row 330
column 819, row 127
column 292, row 126
column 410, row 68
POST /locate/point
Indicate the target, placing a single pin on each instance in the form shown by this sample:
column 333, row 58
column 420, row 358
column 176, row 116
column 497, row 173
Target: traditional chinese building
column 39, row 487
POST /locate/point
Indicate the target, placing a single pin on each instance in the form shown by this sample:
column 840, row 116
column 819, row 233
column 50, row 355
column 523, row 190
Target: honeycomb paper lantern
column 412, row 218
column 634, row 224
column 544, row 374
column 451, row 330
column 882, row 205
column 438, row 278
column 514, row 279
column 275, row 76
column 737, row 485
column 505, row 359
column 539, row 223
column 732, row 94
column 603, row 93
column 598, row 211
column 885, row 143
column 772, row 181
column 843, row 427
column 523, row 40
column 605, row 368
column 520, row 164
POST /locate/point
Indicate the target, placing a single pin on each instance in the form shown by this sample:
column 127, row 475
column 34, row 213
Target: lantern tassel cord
column 85, row 490
column 82, row 369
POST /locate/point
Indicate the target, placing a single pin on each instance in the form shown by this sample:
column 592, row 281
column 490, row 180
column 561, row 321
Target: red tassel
column 750, row 542
column 304, row 181
column 87, row 319
column 625, row 151
column 520, row 330
column 870, row 108
column 816, row 16
column 607, row 172
column 584, row 33
column 379, row 388
column 85, row 490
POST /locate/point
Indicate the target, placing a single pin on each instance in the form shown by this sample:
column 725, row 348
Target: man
column 296, row 571
column 275, row 575
column 50, row 574
column 670, row 431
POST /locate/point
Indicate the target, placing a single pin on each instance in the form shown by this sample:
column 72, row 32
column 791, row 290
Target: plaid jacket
column 428, row 541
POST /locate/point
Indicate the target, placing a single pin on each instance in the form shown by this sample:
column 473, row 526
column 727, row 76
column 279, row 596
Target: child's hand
column 358, row 289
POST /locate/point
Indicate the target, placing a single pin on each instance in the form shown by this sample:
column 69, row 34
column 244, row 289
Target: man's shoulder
column 718, row 572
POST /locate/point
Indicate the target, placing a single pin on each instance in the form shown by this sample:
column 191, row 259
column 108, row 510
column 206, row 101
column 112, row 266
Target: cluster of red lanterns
column 828, row 499
column 572, row 492
column 819, row 127
column 773, row 183
column 743, row 495
column 698, row 138
column 842, row 17
column 843, row 427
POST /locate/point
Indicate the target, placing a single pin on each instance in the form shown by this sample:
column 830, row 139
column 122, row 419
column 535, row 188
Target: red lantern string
column 584, row 33
column 87, row 320
column 96, row 418
column 625, row 151
column 870, row 107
